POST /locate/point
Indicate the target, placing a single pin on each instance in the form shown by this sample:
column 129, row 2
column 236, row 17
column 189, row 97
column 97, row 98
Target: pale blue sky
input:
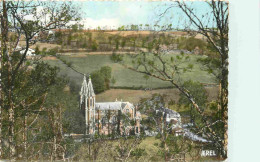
column 96, row 13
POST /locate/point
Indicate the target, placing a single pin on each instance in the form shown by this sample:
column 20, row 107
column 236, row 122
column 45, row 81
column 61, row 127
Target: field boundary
column 169, row 87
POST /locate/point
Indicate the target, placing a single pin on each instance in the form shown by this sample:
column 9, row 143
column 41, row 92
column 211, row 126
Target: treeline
column 104, row 41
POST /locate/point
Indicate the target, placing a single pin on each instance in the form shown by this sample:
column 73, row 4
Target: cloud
column 105, row 23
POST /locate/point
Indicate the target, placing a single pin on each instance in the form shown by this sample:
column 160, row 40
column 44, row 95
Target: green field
column 125, row 77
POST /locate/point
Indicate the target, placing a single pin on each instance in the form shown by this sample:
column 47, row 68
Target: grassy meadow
column 125, row 78
column 134, row 96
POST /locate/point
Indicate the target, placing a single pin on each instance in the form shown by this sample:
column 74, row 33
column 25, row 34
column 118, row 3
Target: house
column 51, row 32
column 174, row 117
column 18, row 48
column 30, row 52
column 107, row 117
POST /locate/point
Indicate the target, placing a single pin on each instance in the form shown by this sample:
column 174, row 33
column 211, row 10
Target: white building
column 30, row 52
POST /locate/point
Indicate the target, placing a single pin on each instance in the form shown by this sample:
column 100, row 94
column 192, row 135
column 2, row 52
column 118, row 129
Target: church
column 104, row 118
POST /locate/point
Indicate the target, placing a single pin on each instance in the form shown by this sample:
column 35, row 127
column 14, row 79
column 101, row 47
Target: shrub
column 116, row 58
column 98, row 81
column 101, row 79
column 94, row 45
column 106, row 72
column 37, row 50
column 53, row 51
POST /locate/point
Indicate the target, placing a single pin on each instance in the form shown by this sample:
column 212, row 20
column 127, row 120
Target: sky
column 115, row 14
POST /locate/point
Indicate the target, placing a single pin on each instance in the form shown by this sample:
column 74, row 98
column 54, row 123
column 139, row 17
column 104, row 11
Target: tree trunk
column 1, row 100
column 224, row 94
column 4, row 25
column 10, row 112
column 25, row 137
column 108, row 122
column 98, row 121
column 4, row 30
column 224, row 117
column 11, row 130
column 119, row 122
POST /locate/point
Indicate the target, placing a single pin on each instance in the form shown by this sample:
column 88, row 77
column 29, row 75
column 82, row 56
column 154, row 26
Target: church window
column 90, row 102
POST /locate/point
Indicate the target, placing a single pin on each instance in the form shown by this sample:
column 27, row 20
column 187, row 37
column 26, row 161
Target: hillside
column 125, row 78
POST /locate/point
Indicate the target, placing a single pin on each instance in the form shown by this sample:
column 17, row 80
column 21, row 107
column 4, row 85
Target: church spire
column 90, row 88
column 84, row 89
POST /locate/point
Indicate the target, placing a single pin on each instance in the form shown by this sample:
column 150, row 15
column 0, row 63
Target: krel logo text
column 208, row 153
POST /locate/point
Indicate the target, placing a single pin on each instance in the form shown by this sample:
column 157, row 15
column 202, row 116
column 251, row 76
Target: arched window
column 114, row 119
column 90, row 102
column 136, row 129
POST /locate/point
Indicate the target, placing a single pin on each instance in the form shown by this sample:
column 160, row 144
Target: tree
column 30, row 107
column 98, row 149
column 98, row 82
column 116, row 57
column 126, row 148
column 113, row 81
column 106, row 72
column 191, row 43
column 101, row 79
column 217, row 37
column 74, row 28
column 122, row 28
column 59, row 37
column 69, row 39
column 133, row 39
column 37, row 50
column 110, row 40
column 157, row 65
column 117, row 42
column 14, row 14
column 94, row 45
column 170, row 146
column 123, row 43
column 199, row 93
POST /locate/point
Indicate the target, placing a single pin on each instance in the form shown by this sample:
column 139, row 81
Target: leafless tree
column 158, row 65
column 28, row 18
column 172, row 147
column 125, row 147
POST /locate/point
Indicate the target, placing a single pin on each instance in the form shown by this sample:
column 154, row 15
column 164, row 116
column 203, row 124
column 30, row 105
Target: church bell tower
column 87, row 104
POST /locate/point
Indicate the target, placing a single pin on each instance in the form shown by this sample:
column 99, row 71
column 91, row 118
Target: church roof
column 172, row 113
column 112, row 105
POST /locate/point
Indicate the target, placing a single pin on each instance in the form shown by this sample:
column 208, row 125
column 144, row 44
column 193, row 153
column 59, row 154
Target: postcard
column 114, row 80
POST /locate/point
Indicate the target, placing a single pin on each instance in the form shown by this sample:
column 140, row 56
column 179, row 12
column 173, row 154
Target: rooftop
column 112, row 105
